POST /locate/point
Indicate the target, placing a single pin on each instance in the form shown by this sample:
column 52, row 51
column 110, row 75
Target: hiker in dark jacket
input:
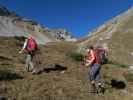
column 29, row 47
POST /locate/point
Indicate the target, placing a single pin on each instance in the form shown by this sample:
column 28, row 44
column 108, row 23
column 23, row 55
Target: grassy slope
column 72, row 85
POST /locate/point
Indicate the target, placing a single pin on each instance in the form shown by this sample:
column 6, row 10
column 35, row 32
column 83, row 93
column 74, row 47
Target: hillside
column 52, row 83
column 13, row 25
column 117, row 35
column 59, row 76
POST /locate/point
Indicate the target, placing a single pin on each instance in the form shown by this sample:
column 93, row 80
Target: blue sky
column 77, row 16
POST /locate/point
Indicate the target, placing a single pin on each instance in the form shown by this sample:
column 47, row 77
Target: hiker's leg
column 92, row 79
column 99, row 84
column 97, row 73
column 92, row 74
column 26, row 66
column 97, row 76
column 36, row 57
column 31, row 65
column 27, row 62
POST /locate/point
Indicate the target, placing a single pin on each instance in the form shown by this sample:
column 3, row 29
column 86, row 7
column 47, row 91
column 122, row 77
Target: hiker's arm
column 89, row 62
column 92, row 57
column 24, row 46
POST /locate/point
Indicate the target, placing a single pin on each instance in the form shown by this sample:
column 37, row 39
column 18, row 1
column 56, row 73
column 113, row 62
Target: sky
column 76, row 16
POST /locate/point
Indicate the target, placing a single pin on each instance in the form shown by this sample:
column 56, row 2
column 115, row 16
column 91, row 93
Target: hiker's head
column 27, row 35
column 30, row 36
column 89, row 48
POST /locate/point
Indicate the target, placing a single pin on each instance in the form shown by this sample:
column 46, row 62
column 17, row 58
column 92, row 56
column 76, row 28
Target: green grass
column 117, row 64
column 6, row 75
column 76, row 56
column 129, row 77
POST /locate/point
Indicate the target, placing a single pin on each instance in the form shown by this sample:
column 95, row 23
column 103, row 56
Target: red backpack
column 100, row 56
column 31, row 45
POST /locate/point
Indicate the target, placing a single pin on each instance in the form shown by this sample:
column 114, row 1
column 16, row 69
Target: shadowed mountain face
column 13, row 25
column 117, row 35
column 4, row 11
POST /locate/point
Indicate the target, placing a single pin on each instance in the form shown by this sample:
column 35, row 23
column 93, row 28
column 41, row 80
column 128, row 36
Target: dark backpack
column 101, row 56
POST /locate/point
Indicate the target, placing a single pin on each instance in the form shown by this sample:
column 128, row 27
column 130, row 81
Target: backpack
column 31, row 45
column 101, row 56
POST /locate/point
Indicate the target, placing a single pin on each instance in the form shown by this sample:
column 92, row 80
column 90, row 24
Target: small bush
column 6, row 75
column 117, row 64
column 76, row 56
column 19, row 40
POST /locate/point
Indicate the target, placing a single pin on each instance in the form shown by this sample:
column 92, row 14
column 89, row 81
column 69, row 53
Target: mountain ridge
column 15, row 25
column 116, row 34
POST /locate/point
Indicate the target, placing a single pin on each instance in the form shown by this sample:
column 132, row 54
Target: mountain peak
column 13, row 25
column 4, row 11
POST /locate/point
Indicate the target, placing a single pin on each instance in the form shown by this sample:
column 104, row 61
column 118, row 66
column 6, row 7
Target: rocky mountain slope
column 13, row 25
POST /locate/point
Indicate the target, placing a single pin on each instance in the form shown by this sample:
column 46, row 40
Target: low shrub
column 76, row 56
column 117, row 64
column 6, row 75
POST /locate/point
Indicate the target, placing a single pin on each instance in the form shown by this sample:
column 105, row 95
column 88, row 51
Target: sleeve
column 92, row 56
column 25, row 44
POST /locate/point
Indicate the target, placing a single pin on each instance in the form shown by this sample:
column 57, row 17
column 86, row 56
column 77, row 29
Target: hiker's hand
column 87, row 64
column 21, row 51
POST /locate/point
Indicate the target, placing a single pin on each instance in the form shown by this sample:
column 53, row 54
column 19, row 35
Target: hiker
column 30, row 48
column 95, row 67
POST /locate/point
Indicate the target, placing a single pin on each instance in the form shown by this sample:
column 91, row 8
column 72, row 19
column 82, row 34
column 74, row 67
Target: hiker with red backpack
column 30, row 47
column 94, row 60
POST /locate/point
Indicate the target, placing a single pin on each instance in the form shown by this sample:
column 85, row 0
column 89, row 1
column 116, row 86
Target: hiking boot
column 34, row 72
column 101, row 88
